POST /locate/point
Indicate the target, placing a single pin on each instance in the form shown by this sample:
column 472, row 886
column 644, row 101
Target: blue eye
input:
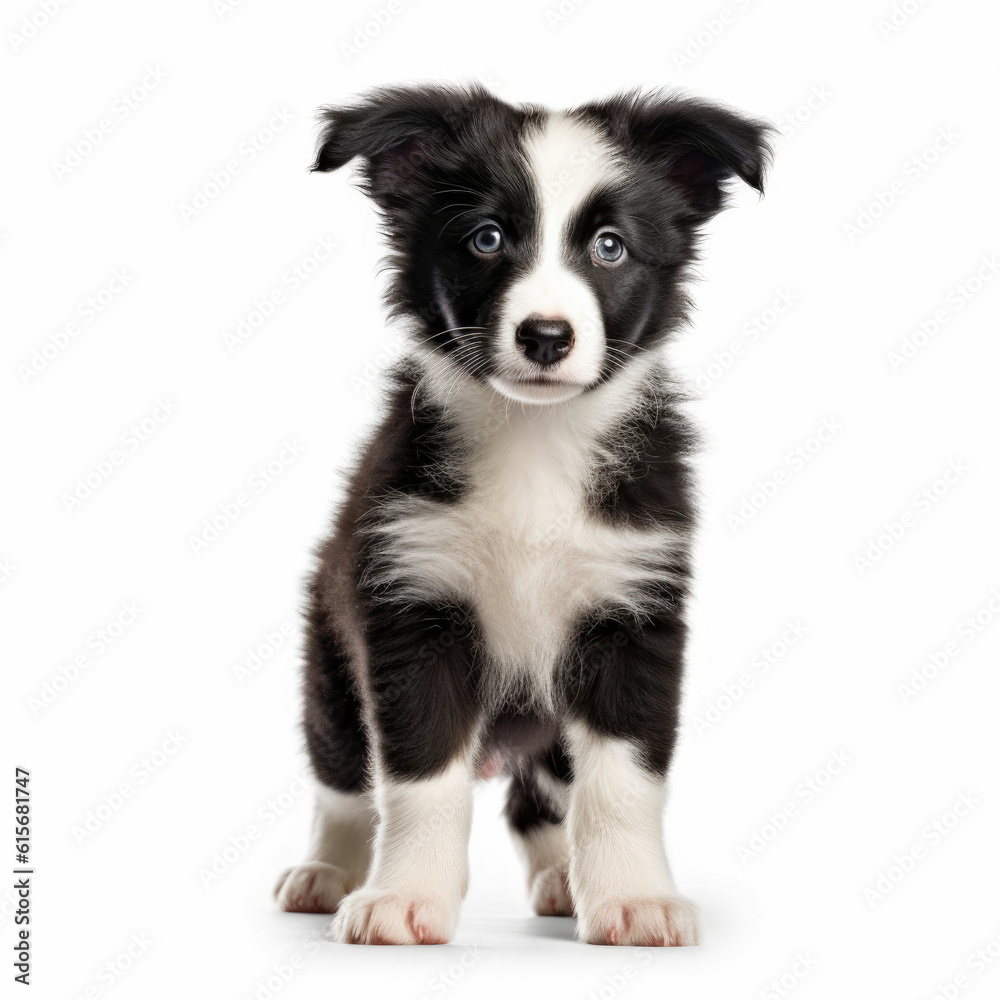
column 608, row 248
column 488, row 239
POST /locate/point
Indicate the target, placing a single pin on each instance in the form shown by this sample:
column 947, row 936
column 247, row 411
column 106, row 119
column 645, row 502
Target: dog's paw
column 550, row 894
column 379, row 916
column 313, row 887
column 652, row 922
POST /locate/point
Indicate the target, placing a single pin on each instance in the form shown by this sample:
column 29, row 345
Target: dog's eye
column 487, row 239
column 608, row 248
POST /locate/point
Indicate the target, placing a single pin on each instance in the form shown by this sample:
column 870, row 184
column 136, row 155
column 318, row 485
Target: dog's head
column 541, row 251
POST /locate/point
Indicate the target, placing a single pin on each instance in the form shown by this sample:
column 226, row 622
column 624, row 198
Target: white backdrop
column 190, row 317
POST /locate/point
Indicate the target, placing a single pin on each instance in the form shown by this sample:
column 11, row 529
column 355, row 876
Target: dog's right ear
column 695, row 146
column 397, row 132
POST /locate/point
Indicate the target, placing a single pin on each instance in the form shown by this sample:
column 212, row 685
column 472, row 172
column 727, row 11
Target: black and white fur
column 504, row 587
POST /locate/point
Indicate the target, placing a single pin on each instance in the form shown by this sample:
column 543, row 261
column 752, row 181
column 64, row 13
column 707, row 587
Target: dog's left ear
column 694, row 145
column 397, row 132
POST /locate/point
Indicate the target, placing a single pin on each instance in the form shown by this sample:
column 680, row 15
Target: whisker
column 456, row 190
column 468, row 211
column 635, row 347
column 454, row 329
column 639, row 218
column 457, row 204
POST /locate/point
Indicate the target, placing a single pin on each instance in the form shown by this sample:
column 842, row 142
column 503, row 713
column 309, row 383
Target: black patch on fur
column 528, row 807
column 648, row 481
column 439, row 162
column 335, row 739
column 424, row 673
column 623, row 677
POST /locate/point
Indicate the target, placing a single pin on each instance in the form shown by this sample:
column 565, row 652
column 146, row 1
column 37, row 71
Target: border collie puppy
column 505, row 584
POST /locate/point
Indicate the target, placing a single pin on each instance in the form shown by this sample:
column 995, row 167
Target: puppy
column 504, row 588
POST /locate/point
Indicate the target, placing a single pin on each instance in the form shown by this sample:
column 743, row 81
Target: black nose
column 545, row 340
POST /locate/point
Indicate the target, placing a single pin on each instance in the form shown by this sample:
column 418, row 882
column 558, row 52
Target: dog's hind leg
column 535, row 810
column 343, row 826
column 338, row 857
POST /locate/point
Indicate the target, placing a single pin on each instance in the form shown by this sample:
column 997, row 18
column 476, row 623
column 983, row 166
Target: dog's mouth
column 536, row 388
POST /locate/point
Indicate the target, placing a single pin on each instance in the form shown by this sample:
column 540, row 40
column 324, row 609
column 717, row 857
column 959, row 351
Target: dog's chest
column 527, row 554
column 522, row 550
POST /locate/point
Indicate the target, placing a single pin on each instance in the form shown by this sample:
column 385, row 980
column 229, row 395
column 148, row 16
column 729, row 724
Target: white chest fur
column 520, row 548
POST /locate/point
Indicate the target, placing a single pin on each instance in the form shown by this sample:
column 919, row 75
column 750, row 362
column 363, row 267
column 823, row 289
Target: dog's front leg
column 620, row 738
column 419, row 869
column 425, row 714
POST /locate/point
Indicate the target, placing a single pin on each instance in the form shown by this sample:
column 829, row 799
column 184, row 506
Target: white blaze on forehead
column 569, row 160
